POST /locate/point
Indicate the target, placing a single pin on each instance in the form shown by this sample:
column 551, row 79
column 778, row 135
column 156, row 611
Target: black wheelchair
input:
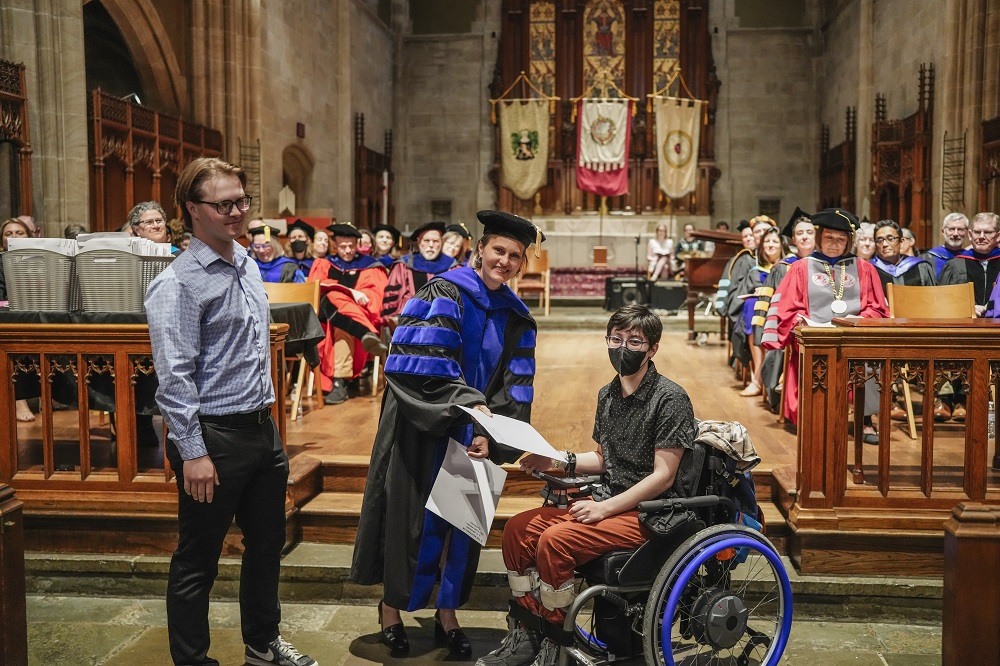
column 703, row 590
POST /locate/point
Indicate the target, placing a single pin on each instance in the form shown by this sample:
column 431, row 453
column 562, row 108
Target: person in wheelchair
column 644, row 425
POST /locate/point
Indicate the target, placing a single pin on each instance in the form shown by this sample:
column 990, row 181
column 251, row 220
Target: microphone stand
column 637, row 241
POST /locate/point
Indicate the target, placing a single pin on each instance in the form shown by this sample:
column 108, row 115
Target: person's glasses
column 260, row 247
column 887, row 239
column 225, row 207
column 632, row 344
column 983, row 232
column 158, row 222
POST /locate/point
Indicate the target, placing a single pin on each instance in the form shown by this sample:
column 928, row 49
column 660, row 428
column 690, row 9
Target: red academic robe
column 370, row 279
column 806, row 291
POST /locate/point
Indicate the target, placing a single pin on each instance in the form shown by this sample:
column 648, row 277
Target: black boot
column 337, row 394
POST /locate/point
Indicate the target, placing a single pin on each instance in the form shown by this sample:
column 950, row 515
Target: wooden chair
column 305, row 292
column 952, row 301
column 536, row 279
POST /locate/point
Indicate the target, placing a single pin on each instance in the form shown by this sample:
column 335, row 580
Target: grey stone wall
column 443, row 123
column 371, row 73
column 839, row 85
column 767, row 132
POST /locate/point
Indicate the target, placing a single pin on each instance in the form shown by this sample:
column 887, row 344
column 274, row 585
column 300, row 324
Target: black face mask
column 298, row 246
column 625, row 361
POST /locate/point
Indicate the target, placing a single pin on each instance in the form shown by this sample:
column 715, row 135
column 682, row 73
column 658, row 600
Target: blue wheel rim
column 689, row 570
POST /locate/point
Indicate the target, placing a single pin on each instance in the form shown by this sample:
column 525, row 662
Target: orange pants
column 552, row 541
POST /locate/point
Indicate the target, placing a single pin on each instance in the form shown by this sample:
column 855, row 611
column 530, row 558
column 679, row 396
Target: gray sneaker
column 548, row 654
column 278, row 652
column 518, row 648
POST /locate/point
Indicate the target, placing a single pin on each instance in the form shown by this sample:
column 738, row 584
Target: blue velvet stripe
column 427, row 335
column 439, row 307
column 461, row 434
column 522, row 394
column 522, row 367
column 432, row 539
column 453, row 575
column 527, row 340
column 432, row 366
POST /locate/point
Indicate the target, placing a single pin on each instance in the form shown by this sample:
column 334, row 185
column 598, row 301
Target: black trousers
column 253, row 478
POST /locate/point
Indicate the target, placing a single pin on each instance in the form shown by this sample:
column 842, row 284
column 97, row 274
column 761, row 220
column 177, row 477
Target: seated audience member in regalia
column 388, row 241
column 321, row 244
column 864, row 242
column 908, row 246
column 455, row 243
column 744, row 255
column 413, row 270
column 802, row 234
column 366, row 243
column 350, row 311
column 980, row 264
column 270, row 256
column 892, row 265
column 829, row 283
column 739, row 268
column 300, row 244
column 955, row 232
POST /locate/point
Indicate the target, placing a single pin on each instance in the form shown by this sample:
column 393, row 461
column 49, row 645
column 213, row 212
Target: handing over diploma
column 464, row 342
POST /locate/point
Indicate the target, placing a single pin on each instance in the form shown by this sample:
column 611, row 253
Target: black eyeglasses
column 632, row 344
column 887, row 239
column 225, row 207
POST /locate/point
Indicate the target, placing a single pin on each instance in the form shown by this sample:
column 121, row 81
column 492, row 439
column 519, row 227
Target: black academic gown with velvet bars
column 458, row 344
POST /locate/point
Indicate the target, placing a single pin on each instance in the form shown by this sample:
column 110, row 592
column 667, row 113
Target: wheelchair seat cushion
column 606, row 568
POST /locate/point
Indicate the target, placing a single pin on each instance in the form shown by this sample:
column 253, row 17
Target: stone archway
column 297, row 172
column 152, row 52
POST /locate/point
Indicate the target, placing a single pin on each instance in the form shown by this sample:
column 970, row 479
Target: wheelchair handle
column 656, row 506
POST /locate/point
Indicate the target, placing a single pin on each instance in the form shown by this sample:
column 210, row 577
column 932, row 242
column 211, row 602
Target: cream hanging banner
column 603, row 129
column 678, row 133
column 524, row 136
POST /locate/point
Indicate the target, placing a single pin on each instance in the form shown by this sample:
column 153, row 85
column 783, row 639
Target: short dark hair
column 637, row 316
column 882, row 224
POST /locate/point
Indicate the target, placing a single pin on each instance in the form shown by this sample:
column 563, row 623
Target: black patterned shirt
column 629, row 430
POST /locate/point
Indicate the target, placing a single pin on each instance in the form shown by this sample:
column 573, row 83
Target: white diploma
column 516, row 434
column 466, row 492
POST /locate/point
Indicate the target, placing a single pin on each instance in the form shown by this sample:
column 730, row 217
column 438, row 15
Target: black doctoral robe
column 458, row 344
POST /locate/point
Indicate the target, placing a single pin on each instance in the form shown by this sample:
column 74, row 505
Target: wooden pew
column 13, row 617
column 880, row 509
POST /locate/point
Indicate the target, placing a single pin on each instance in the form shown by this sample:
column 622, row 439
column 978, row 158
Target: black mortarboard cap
column 742, row 225
column 509, row 225
column 304, row 226
column 789, row 229
column 344, row 229
column 430, row 226
column 396, row 233
column 461, row 230
column 836, row 218
column 265, row 229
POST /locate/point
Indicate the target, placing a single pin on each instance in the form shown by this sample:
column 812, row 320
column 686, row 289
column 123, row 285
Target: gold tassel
column 538, row 241
column 493, row 112
column 267, row 234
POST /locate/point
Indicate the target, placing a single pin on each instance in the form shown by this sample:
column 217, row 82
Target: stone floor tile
column 75, row 643
column 912, row 659
column 911, row 639
column 72, row 609
column 846, row 636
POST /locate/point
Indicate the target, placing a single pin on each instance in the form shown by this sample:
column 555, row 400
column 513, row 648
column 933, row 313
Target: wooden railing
column 81, row 458
column 902, row 485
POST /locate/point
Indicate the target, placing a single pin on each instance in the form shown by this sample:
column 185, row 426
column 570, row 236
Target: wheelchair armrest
column 658, row 506
column 567, row 482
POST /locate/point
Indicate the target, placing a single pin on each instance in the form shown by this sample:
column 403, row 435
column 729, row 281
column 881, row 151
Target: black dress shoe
column 393, row 637
column 455, row 640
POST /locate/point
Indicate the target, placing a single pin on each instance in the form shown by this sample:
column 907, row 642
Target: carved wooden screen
column 566, row 47
column 372, row 179
column 136, row 155
column 837, row 164
column 15, row 142
column 989, row 168
column 901, row 163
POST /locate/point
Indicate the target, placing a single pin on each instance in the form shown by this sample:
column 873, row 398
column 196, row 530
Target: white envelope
column 466, row 492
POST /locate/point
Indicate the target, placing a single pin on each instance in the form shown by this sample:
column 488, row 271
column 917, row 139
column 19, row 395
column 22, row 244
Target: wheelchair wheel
column 706, row 610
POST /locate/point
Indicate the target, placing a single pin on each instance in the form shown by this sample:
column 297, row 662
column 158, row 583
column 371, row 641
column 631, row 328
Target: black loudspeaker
column 619, row 291
column 667, row 295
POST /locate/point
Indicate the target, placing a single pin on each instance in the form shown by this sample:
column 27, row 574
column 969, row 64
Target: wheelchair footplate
column 559, row 491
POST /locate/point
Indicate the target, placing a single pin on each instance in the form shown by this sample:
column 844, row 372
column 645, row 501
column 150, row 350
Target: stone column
column 47, row 36
column 866, row 110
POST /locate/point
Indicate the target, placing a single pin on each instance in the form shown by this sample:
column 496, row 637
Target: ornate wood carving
column 14, row 128
column 837, row 166
column 657, row 33
column 901, row 162
column 370, row 168
column 819, row 371
column 131, row 147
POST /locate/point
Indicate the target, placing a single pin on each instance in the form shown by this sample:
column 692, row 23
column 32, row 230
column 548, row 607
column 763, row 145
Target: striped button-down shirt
column 209, row 325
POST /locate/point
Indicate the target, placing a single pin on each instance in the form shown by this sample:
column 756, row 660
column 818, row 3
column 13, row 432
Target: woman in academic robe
column 387, row 244
column 463, row 340
column 270, row 257
column 831, row 282
column 300, row 245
